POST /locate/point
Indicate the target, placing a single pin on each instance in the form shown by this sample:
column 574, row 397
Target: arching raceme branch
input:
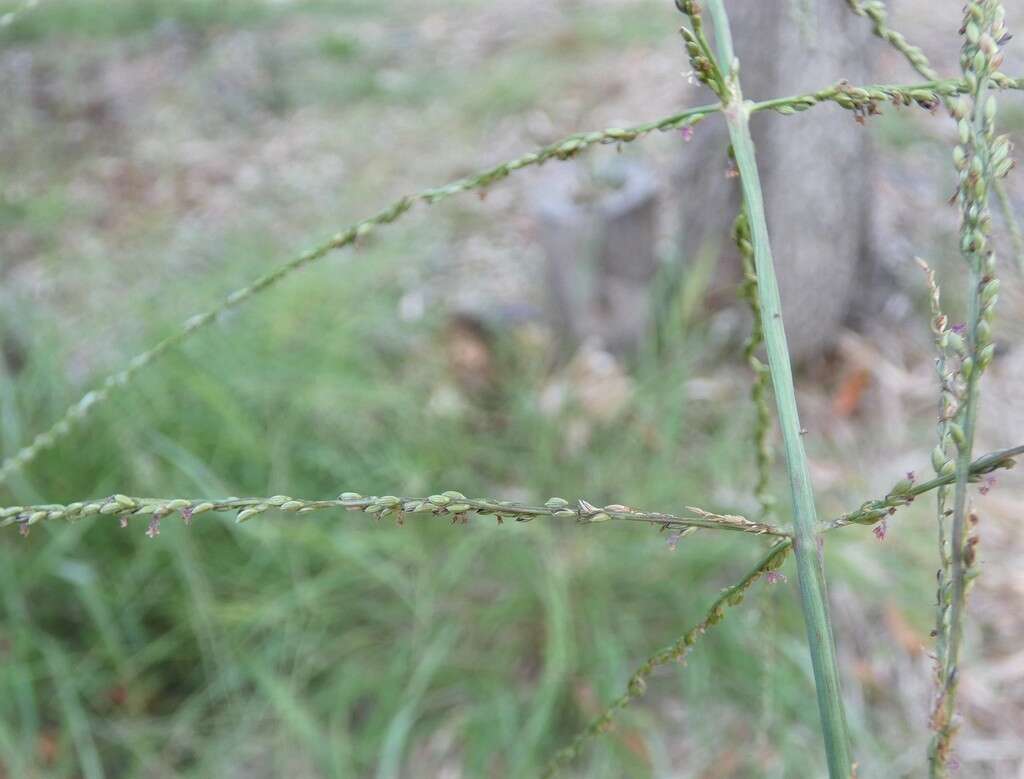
column 676, row 652
column 875, row 11
column 904, row 491
column 457, row 507
column 564, row 149
column 852, row 98
column 451, row 504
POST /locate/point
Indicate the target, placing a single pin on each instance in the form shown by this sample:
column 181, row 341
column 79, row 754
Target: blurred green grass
column 299, row 397
column 340, row 647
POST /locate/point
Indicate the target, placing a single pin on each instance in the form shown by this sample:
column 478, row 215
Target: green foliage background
column 334, row 646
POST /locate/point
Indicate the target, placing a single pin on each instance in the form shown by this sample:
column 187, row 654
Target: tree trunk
column 599, row 236
column 815, row 166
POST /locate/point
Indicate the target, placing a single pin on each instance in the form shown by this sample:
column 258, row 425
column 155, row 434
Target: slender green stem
column 723, row 38
column 810, row 566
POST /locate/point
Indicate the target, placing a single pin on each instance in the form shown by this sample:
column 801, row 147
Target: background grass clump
column 341, row 647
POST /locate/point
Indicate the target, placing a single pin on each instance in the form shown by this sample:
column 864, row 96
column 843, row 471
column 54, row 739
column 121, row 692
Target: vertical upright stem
column 723, row 38
column 981, row 159
column 810, row 567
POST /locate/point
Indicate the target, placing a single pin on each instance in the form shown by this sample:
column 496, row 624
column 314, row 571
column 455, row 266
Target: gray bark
column 815, row 166
column 599, row 244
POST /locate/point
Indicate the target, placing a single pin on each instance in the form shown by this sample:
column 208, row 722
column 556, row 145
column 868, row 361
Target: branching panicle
column 856, row 99
column 981, row 159
column 565, row 149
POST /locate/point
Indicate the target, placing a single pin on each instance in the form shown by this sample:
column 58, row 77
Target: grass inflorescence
column 859, row 99
column 284, row 677
column 981, row 158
